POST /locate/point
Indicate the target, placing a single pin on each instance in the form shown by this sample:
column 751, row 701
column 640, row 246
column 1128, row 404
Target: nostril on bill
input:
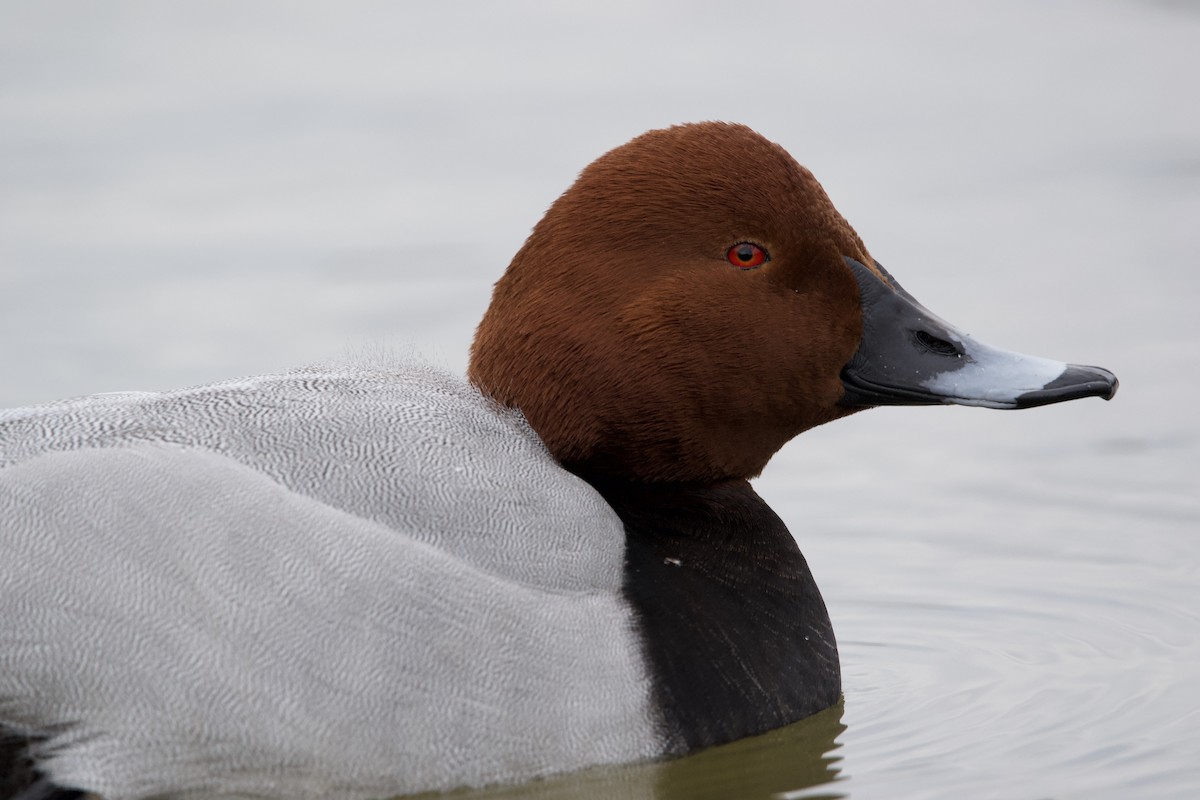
column 936, row 345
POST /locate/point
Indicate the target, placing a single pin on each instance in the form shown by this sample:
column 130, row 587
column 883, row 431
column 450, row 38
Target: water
column 194, row 192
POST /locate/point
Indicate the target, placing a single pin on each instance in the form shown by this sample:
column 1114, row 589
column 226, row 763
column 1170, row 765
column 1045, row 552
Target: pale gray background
column 195, row 191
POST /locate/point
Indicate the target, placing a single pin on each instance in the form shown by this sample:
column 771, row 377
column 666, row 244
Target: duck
column 375, row 578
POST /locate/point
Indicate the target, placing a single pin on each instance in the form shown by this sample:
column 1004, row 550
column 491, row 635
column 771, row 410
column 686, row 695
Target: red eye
column 747, row 255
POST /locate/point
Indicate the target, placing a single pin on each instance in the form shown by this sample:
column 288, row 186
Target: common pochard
column 373, row 579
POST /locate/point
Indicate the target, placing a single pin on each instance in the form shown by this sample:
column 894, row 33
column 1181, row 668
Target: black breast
column 734, row 630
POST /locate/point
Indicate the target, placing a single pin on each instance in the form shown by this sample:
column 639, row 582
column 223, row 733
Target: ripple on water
column 1066, row 685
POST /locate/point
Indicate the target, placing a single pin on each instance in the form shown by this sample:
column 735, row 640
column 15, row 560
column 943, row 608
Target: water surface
column 190, row 192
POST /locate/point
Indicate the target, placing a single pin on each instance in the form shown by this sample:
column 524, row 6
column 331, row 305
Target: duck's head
column 694, row 301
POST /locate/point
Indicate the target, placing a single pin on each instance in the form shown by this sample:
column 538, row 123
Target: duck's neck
column 737, row 638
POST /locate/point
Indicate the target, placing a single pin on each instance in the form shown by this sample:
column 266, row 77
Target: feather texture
column 362, row 581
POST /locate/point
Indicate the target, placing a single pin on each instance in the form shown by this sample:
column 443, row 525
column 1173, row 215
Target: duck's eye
column 747, row 255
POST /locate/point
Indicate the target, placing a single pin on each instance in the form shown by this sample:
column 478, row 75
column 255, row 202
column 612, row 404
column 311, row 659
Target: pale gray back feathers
column 340, row 582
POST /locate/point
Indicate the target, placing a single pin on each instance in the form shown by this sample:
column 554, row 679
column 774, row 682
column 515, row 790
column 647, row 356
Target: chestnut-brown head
column 694, row 301
column 681, row 312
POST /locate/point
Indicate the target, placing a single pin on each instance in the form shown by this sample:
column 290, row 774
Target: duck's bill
column 909, row 356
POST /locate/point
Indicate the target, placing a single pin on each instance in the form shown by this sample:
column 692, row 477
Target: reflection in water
column 779, row 764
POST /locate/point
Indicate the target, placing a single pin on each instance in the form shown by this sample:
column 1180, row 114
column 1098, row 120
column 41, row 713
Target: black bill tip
column 1076, row 381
